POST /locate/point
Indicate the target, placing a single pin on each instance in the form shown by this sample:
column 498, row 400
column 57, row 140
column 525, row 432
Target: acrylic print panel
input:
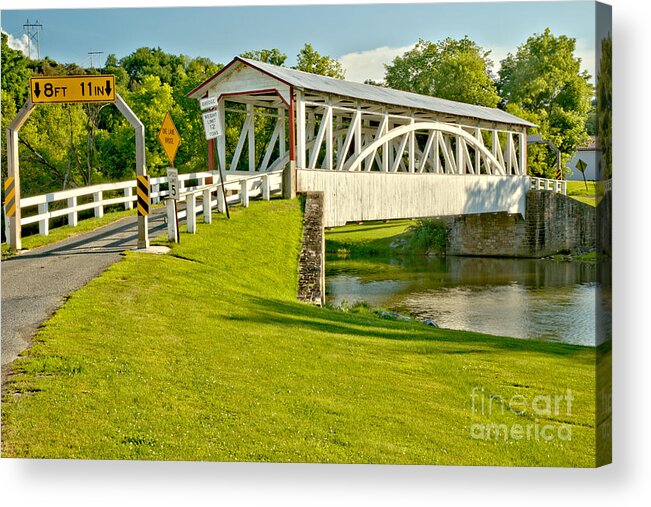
column 393, row 246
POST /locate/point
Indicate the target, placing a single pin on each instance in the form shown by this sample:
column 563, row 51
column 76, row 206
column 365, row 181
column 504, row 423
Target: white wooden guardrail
column 559, row 186
column 239, row 189
column 69, row 203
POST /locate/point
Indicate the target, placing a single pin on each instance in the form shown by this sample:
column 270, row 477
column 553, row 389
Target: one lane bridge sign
column 169, row 137
column 72, row 89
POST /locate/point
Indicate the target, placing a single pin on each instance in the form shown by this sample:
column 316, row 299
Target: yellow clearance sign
column 67, row 89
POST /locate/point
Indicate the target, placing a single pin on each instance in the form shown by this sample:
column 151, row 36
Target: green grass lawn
column 205, row 354
column 368, row 238
column 590, row 195
column 67, row 231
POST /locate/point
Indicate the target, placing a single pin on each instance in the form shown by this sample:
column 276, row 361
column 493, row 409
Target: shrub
column 429, row 235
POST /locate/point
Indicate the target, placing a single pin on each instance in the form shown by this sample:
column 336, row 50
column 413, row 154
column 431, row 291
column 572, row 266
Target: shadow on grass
column 290, row 314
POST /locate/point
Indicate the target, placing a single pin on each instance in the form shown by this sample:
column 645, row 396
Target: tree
column 544, row 84
column 605, row 106
column 309, row 60
column 272, row 56
column 449, row 69
column 15, row 85
column 15, row 73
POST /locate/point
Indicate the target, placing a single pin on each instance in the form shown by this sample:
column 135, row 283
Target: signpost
column 211, row 124
column 212, row 128
column 173, row 183
column 581, row 166
column 170, row 139
column 208, row 103
column 72, row 89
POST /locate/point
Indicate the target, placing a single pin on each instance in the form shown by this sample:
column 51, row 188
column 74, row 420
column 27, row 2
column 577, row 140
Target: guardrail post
column 244, row 193
column 207, row 206
column 72, row 215
column 155, row 190
column 128, row 192
column 221, row 200
column 99, row 207
column 171, row 220
column 266, row 187
column 44, row 223
column 564, row 187
column 191, row 218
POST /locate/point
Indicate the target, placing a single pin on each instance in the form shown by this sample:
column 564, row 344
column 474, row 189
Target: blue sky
column 364, row 37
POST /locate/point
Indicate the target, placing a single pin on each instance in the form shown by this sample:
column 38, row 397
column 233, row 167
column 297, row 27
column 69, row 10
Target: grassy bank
column 588, row 194
column 370, row 238
column 205, row 354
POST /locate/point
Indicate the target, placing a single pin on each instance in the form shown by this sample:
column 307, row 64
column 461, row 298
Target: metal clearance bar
column 13, row 207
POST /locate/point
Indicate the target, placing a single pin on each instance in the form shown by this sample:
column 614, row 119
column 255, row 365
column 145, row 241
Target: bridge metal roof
column 360, row 91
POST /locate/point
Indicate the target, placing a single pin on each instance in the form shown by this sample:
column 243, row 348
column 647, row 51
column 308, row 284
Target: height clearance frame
column 13, row 170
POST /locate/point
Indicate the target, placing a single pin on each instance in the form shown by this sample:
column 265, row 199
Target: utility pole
column 92, row 53
column 32, row 31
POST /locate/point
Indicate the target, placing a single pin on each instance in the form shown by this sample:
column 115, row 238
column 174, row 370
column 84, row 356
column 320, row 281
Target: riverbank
column 205, row 354
column 379, row 238
column 396, row 238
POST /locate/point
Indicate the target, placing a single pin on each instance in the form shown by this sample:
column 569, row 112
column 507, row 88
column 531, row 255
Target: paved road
column 36, row 283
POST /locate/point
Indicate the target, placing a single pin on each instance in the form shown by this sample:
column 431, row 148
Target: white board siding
column 245, row 79
column 359, row 196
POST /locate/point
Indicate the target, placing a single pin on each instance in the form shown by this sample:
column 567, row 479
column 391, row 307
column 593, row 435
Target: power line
column 32, row 30
column 91, row 54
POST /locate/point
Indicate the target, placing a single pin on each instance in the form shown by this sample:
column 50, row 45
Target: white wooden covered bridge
column 376, row 153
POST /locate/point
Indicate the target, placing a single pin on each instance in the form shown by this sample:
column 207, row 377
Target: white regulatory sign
column 173, row 182
column 211, row 124
column 208, row 103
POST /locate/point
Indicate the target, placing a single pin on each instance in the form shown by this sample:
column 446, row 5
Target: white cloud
column 363, row 65
column 19, row 43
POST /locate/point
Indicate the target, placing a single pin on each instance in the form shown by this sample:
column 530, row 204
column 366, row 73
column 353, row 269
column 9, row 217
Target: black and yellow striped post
column 142, row 189
column 10, row 197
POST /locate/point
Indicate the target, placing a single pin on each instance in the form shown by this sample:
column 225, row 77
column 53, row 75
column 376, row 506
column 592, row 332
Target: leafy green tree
column 150, row 62
column 112, row 66
column 273, row 56
column 15, row 74
column 150, row 100
column 54, row 154
column 605, row 106
column 15, row 85
column 309, row 60
column 543, row 83
column 449, row 69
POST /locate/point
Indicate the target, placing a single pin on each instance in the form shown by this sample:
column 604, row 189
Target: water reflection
column 534, row 299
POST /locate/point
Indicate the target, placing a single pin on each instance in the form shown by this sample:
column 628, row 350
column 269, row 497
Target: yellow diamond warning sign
column 70, row 89
column 169, row 138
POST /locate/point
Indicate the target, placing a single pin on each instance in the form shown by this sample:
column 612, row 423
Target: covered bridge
column 375, row 153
